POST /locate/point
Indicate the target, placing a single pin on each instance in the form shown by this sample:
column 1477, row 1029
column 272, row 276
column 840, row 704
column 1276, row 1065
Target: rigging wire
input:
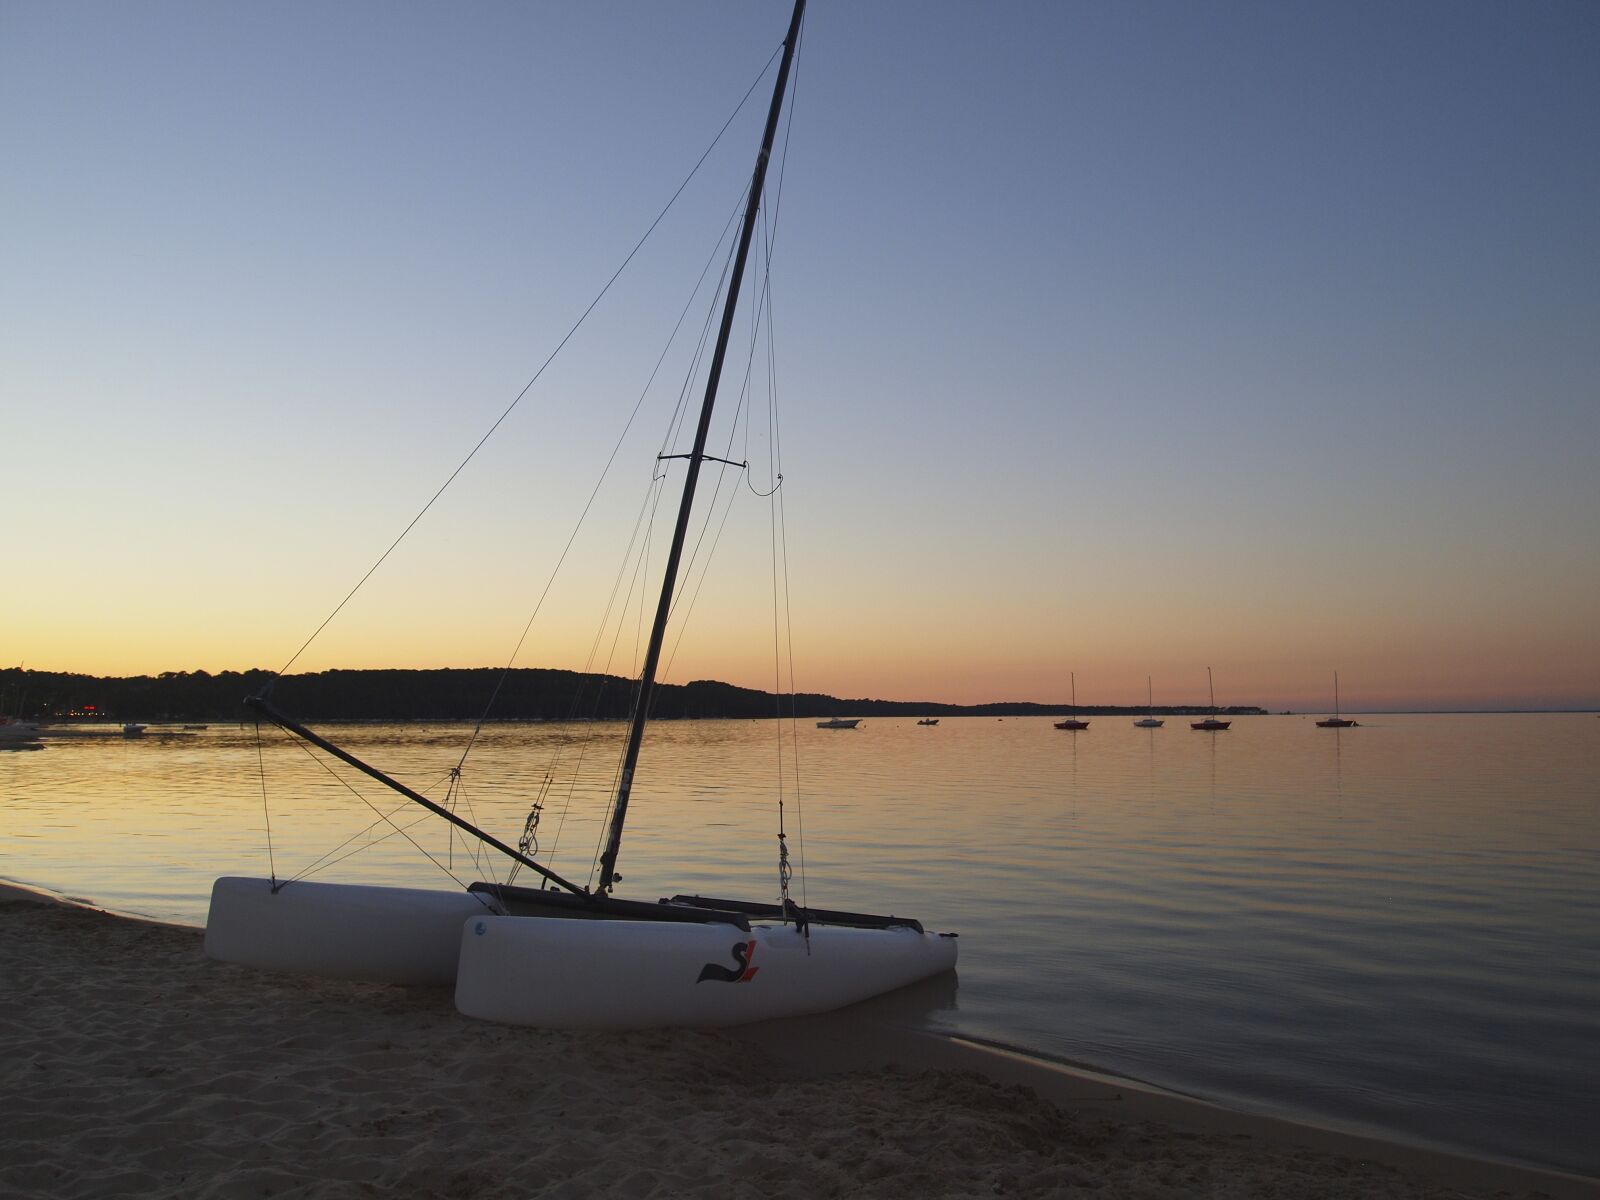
column 266, row 810
column 457, row 790
column 658, row 483
column 383, row 816
column 456, row 793
column 327, row 859
column 651, row 502
column 762, row 305
column 594, row 494
column 588, row 671
column 741, row 418
column 536, row 375
column 649, row 507
column 785, row 870
column 320, row 866
column 689, row 576
column 782, row 531
column 496, row 425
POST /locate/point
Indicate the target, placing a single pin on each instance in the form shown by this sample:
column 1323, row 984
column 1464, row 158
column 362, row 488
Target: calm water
column 1394, row 928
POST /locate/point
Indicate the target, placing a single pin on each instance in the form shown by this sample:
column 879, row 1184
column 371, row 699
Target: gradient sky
column 1114, row 338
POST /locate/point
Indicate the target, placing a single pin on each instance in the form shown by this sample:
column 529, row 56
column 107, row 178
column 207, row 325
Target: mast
column 652, row 658
column 1336, row 695
column 1211, row 687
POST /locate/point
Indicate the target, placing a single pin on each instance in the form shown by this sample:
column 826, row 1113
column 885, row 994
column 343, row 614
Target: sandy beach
column 134, row 1066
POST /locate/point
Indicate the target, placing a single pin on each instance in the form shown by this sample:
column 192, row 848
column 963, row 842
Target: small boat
column 1211, row 724
column 1073, row 722
column 567, row 954
column 197, row 727
column 133, row 729
column 1335, row 721
column 15, row 729
column 928, row 721
column 1149, row 721
column 839, row 723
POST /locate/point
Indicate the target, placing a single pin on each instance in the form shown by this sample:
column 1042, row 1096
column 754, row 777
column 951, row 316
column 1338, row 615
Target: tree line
column 455, row 694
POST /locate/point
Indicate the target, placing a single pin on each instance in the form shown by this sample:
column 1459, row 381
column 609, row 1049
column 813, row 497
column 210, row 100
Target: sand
column 132, row 1065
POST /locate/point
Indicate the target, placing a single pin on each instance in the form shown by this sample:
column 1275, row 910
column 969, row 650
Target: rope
column 383, row 816
column 456, row 794
column 780, row 542
column 266, row 810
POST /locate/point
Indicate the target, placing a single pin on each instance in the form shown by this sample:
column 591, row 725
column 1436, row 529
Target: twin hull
column 343, row 930
column 564, row 972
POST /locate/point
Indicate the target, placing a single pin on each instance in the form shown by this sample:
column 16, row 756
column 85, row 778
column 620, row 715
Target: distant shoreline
column 452, row 694
column 464, row 693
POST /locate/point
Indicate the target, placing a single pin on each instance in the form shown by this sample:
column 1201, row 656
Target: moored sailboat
column 1211, row 724
column 565, row 955
column 1335, row 721
column 1149, row 720
column 1073, row 722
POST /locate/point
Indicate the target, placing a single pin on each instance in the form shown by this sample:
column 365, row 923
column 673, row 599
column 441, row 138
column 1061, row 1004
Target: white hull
column 576, row 974
column 348, row 931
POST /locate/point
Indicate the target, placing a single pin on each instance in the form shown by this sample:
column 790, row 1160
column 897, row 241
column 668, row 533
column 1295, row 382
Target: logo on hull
column 740, row 972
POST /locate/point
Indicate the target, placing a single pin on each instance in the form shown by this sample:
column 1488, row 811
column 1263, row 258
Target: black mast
column 647, row 677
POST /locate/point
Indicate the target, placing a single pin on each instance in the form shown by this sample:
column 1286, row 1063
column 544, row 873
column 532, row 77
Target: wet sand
column 132, row 1065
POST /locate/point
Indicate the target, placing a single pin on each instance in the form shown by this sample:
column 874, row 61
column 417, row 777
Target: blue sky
column 1115, row 338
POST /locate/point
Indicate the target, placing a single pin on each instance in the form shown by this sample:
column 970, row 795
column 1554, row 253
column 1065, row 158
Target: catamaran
column 568, row 955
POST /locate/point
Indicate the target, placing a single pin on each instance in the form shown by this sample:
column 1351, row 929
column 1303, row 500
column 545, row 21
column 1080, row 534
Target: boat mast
column 1336, row 695
column 647, row 677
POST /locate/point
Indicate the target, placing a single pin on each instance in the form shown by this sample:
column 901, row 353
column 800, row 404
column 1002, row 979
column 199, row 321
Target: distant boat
column 928, row 721
column 133, row 729
column 197, row 727
column 15, row 729
column 1210, row 724
column 1148, row 722
column 1072, row 722
column 839, row 723
column 1335, row 721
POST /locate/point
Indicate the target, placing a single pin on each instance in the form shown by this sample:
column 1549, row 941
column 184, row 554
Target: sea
column 1392, row 929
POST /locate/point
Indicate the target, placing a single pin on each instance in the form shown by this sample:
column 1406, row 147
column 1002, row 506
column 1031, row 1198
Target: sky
column 1110, row 340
